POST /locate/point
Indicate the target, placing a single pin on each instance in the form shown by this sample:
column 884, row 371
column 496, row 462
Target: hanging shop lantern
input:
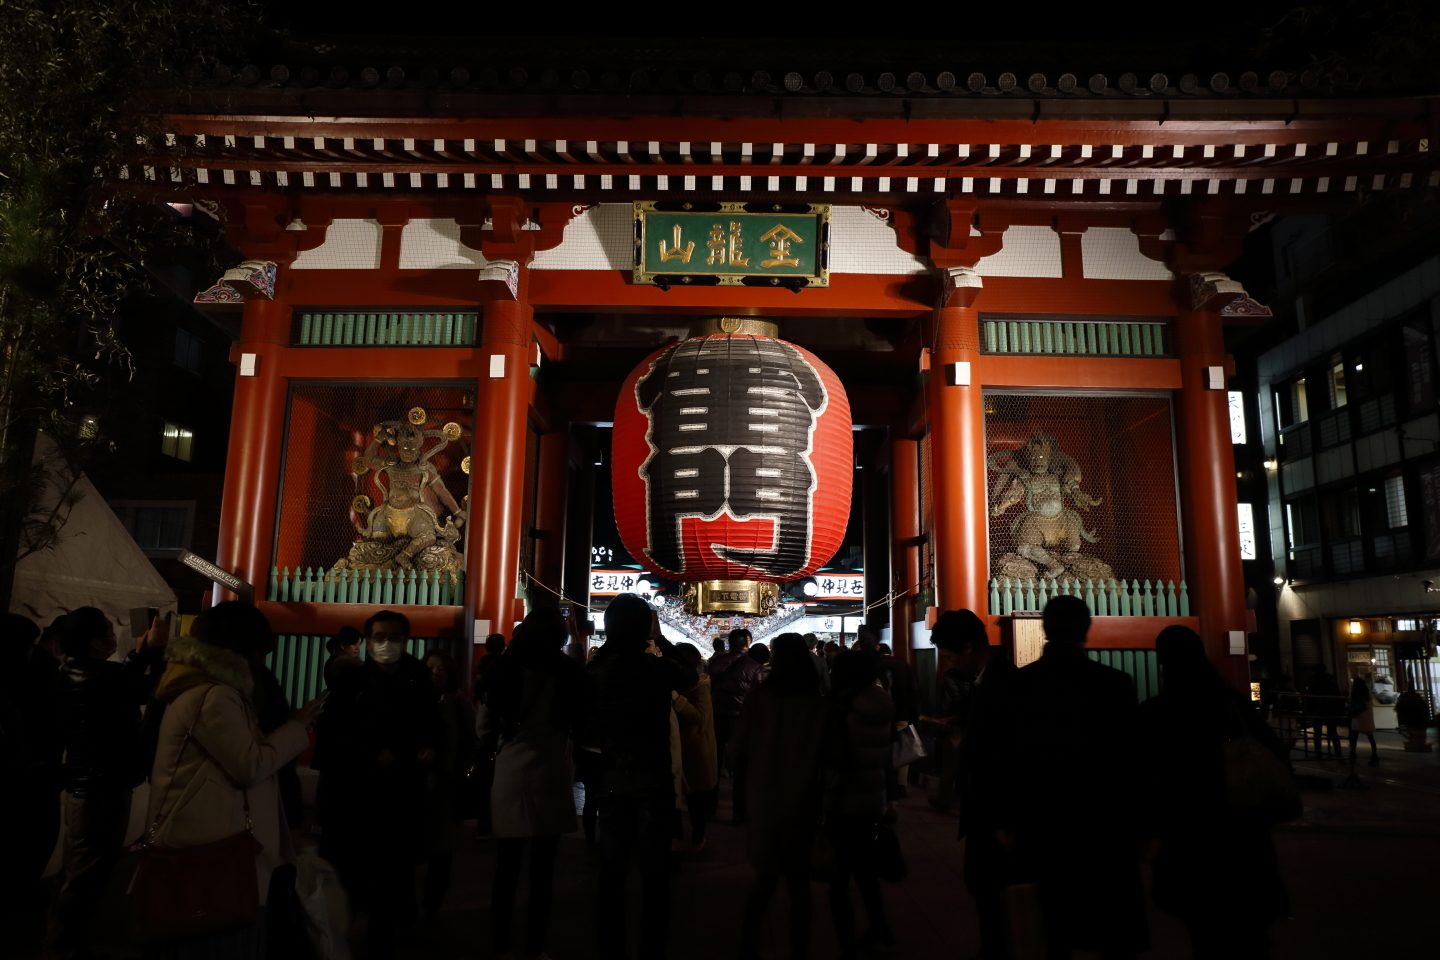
column 732, row 463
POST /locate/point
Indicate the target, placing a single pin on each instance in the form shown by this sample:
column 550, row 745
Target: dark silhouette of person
column 536, row 700
column 1324, row 704
column 30, row 750
column 629, row 692
column 980, row 680
column 99, row 704
column 1215, row 871
column 858, row 770
column 1068, row 809
column 746, row 452
column 776, row 754
column 379, row 733
column 1360, row 708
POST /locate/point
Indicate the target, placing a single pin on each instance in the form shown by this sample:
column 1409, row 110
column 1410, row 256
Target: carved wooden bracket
column 1217, row 292
column 251, row 280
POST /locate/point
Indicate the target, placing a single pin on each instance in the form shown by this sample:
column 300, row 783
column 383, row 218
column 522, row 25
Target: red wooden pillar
column 905, row 533
column 957, row 454
column 252, row 473
column 1207, row 492
column 498, row 465
column 550, row 491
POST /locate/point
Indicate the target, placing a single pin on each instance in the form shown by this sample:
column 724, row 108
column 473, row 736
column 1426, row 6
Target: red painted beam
column 1079, row 372
column 325, row 619
column 849, row 295
column 382, row 363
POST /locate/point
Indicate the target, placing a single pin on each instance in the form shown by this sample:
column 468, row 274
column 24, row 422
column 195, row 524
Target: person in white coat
column 214, row 771
column 534, row 704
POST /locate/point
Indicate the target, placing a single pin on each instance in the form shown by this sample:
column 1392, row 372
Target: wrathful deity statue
column 1048, row 534
column 405, row 529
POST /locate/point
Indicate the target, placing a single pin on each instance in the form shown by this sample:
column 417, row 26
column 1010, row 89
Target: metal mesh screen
column 1082, row 489
column 331, row 425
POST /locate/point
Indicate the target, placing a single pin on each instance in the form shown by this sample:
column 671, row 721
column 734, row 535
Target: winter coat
column 697, row 737
column 533, row 709
column 898, row 677
column 99, row 706
column 778, row 745
column 1361, row 707
column 370, row 741
column 452, row 759
column 1207, row 862
column 858, row 755
column 199, row 794
column 733, row 675
column 1071, row 797
column 628, row 692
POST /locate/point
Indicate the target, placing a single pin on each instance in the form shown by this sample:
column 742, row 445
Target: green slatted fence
column 426, row 588
column 1142, row 666
column 345, row 329
column 299, row 661
column 1079, row 338
column 1105, row 598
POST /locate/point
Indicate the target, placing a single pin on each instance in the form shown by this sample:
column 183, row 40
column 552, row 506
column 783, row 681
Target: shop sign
column 732, row 244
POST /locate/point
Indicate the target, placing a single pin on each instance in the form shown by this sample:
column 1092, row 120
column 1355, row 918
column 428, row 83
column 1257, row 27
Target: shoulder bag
column 1258, row 784
column 180, row 892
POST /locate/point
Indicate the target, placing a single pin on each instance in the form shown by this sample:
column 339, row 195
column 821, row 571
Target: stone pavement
column 1360, row 866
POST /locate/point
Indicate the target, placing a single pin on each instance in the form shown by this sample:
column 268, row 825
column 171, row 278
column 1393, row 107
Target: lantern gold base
column 745, row 326
column 754, row 597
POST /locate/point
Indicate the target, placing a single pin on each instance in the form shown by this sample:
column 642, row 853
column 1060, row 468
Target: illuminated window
column 1337, row 382
column 1395, row 513
column 176, row 441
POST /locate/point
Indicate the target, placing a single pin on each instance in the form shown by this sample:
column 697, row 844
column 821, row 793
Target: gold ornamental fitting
column 417, row 415
column 465, row 465
column 360, row 504
column 358, row 466
column 751, row 326
column 451, row 431
column 755, row 597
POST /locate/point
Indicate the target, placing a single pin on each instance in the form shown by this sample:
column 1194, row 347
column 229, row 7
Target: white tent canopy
column 96, row 562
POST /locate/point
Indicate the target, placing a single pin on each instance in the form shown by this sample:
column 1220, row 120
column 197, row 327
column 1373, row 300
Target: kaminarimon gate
column 1020, row 287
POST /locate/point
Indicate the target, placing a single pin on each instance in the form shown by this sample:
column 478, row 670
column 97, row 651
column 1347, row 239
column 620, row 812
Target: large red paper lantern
column 732, row 457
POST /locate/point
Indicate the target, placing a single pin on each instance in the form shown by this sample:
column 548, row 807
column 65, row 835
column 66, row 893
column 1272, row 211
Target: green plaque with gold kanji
column 732, row 244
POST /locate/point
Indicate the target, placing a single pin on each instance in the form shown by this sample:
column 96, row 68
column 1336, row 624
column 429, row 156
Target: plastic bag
column 907, row 747
column 322, row 898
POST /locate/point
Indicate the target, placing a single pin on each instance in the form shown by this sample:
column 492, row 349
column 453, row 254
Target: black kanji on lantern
column 730, row 427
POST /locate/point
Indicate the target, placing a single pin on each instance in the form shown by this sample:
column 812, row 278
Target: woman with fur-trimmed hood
column 198, row 794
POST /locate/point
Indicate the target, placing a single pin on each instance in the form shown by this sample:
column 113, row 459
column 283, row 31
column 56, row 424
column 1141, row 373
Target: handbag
column 1258, row 784
column 907, row 747
column 180, row 892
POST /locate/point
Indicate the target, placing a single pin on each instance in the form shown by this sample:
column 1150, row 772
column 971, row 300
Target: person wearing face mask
column 99, row 707
column 379, row 735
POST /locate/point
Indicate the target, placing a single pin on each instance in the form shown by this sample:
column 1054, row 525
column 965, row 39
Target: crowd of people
column 1055, row 812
